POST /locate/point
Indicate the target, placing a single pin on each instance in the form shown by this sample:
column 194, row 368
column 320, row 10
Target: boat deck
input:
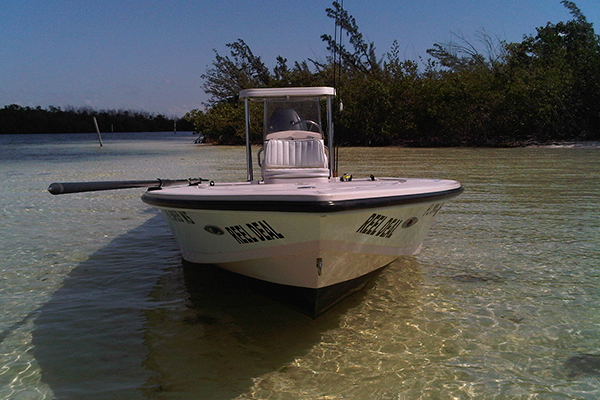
column 304, row 197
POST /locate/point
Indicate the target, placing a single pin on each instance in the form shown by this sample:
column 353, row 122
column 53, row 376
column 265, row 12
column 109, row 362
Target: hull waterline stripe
column 296, row 206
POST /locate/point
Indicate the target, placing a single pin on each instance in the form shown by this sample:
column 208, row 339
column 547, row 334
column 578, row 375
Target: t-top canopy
column 271, row 93
column 268, row 95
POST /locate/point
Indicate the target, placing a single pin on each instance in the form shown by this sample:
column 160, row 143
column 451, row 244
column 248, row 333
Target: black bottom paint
column 314, row 302
column 310, row 302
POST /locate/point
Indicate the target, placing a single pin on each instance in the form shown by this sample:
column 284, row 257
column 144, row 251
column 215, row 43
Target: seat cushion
column 295, row 161
column 307, row 153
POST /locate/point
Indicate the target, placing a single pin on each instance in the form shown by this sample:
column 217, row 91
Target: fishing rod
column 337, row 80
column 79, row 187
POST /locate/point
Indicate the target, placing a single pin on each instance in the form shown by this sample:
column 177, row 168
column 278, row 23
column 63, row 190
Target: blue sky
column 149, row 55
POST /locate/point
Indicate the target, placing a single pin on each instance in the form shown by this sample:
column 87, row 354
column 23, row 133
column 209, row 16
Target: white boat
column 308, row 234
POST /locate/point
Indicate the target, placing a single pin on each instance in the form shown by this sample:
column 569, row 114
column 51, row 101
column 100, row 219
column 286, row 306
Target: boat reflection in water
column 310, row 236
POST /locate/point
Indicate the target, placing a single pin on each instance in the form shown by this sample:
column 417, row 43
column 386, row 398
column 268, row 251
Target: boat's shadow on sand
column 133, row 321
column 228, row 336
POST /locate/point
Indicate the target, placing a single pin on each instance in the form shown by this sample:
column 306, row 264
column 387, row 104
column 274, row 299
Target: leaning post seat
column 294, row 160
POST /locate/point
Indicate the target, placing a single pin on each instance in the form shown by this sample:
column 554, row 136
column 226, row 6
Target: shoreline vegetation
column 485, row 92
column 478, row 93
column 15, row 119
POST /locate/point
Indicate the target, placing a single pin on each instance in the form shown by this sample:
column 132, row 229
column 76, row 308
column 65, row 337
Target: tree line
column 18, row 119
column 483, row 93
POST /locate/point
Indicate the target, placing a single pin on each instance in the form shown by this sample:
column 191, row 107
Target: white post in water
column 98, row 131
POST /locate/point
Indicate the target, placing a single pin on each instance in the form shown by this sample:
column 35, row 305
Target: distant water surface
column 502, row 303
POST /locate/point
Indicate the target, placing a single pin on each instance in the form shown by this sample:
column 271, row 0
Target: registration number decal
column 433, row 209
column 253, row 232
column 179, row 216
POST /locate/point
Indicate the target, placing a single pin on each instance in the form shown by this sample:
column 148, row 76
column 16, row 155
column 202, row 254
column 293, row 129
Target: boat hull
column 310, row 302
column 303, row 249
column 325, row 245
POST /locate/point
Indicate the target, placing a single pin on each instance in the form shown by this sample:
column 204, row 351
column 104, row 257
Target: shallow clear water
column 503, row 302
